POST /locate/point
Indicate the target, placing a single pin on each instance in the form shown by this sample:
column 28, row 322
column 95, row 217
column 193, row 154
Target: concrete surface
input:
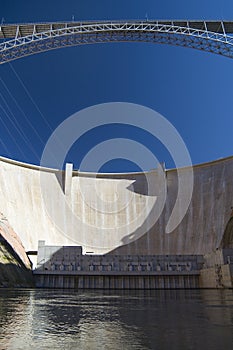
column 107, row 214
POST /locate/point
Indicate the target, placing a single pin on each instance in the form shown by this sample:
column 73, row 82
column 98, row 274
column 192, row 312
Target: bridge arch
column 20, row 40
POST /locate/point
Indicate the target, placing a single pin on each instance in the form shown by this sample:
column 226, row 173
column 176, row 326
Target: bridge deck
column 8, row 31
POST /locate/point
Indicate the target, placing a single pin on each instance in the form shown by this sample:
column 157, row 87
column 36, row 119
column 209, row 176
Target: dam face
column 110, row 213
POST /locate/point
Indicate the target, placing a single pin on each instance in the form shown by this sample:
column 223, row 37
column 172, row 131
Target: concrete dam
column 110, row 215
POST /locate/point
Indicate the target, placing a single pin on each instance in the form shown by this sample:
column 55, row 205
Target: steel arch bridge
column 19, row 40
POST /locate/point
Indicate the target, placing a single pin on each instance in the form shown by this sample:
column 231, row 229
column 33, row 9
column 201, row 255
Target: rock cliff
column 15, row 267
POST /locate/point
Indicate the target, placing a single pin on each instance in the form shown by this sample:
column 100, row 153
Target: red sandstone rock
column 7, row 232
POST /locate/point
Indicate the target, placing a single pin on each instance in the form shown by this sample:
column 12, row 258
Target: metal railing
column 35, row 38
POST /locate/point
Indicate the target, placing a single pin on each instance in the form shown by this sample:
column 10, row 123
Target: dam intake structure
column 67, row 267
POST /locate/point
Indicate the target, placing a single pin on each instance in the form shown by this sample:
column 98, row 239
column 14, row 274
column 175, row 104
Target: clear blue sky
column 192, row 89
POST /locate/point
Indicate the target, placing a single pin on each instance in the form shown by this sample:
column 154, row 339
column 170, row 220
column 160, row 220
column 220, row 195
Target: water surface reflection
column 46, row 319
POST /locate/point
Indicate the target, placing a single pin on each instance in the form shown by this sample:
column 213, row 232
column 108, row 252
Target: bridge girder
column 26, row 39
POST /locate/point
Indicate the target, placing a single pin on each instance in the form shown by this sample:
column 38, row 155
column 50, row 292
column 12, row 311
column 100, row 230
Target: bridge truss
column 19, row 40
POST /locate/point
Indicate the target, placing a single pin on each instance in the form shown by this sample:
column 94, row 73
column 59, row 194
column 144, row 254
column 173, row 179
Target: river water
column 113, row 320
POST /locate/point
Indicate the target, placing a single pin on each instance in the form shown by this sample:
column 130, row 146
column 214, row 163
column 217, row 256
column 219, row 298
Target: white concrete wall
column 107, row 214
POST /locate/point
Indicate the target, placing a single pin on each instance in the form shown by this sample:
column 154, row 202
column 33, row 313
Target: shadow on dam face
column 60, row 175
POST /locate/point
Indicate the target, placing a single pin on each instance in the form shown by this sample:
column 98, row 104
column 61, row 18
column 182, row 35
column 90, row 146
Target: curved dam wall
column 110, row 213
